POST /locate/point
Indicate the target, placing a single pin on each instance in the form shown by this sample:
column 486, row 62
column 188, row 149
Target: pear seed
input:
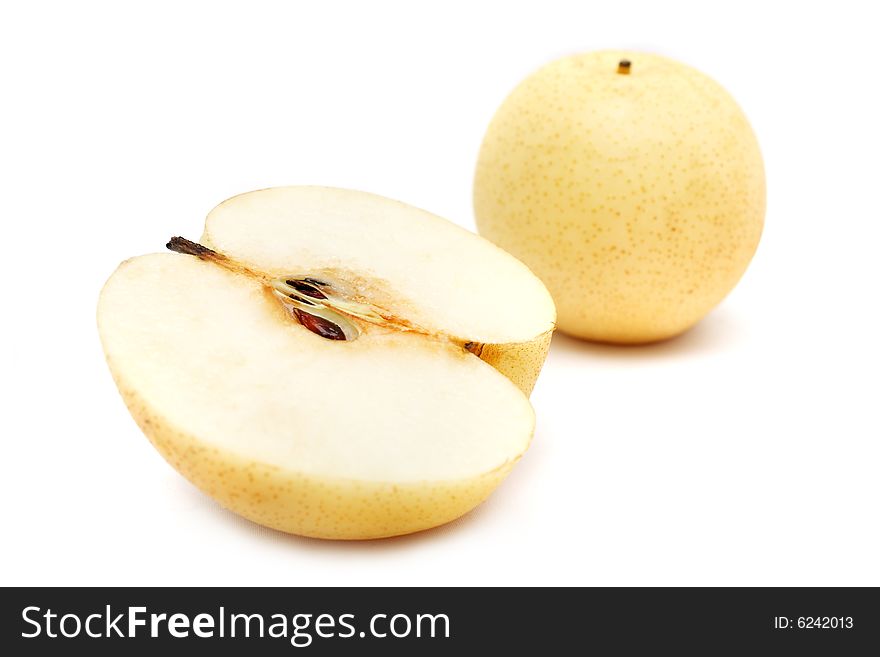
column 323, row 327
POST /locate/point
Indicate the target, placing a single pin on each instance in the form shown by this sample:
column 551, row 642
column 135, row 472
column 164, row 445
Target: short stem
column 187, row 247
column 623, row 66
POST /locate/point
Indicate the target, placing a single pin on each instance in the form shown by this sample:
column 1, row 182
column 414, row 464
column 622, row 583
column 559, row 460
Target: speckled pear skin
column 296, row 503
column 521, row 362
column 637, row 198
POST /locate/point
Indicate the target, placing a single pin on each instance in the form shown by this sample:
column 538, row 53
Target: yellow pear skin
column 631, row 184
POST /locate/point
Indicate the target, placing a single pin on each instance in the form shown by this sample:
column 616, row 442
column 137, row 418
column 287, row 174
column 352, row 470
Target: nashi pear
column 331, row 363
column 631, row 184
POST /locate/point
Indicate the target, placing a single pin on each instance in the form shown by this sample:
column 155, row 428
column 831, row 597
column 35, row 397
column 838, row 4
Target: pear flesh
column 400, row 428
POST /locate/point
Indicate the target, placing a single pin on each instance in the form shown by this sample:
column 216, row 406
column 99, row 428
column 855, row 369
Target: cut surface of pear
column 437, row 276
column 394, row 431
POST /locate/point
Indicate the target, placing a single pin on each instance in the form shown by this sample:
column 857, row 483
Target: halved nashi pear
column 331, row 363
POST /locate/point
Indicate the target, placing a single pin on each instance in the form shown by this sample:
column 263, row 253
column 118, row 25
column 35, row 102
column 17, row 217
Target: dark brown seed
column 324, row 328
column 307, row 289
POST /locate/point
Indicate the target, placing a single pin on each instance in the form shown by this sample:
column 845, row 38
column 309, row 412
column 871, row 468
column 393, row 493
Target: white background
column 745, row 452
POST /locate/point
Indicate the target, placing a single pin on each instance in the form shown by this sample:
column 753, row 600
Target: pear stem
column 188, row 247
column 623, row 67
